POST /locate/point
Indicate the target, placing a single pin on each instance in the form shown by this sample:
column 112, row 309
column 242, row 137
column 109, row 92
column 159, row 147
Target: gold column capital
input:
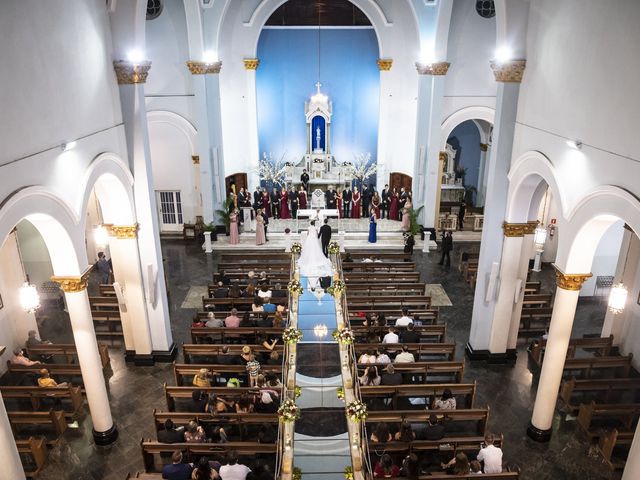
column 384, row 64
column 530, row 227
column 122, row 231
column 519, row 229
column 437, row 68
column 202, row 68
column 195, row 159
column 484, row 147
column 570, row 281
column 251, row 63
column 129, row 73
column 442, row 156
column 508, row 72
column 73, row 284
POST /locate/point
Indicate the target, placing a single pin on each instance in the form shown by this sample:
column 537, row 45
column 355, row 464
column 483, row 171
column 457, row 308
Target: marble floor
column 508, row 390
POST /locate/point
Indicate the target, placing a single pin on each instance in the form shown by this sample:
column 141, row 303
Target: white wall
column 35, row 256
column 605, row 258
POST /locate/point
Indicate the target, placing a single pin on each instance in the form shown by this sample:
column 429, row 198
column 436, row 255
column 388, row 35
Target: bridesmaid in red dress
column 375, row 204
column 393, row 209
column 284, row 205
column 339, row 203
column 266, row 203
column 302, row 198
column 355, row 208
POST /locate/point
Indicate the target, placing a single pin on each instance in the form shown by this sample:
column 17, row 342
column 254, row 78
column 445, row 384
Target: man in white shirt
column 234, row 470
column 405, row 319
column 405, row 356
column 391, row 337
column 490, row 455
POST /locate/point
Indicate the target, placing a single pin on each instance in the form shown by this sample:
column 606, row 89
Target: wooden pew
column 223, row 334
column 172, row 393
column 467, row 391
column 610, row 440
column 106, row 290
column 59, row 371
column 603, row 389
column 621, row 416
column 442, row 351
column 182, row 369
column 242, row 303
column 68, row 350
column 602, row 347
column 36, row 448
column 107, row 302
column 371, row 304
column 479, row 416
column 427, row 372
column 426, row 317
column 368, row 289
column 532, row 287
column 469, row 476
column 540, row 316
column 537, row 300
column 54, row 419
column 183, row 418
column 190, row 350
column 396, row 278
column 616, row 366
column 37, row 394
column 429, row 333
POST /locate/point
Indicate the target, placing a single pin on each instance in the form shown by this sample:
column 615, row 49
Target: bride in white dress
column 312, row 261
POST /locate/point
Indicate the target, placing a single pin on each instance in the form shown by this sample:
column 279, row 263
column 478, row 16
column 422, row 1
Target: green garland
column 344, row 336
column 294, row 287
column 348, row 472
column 334, row 248
column 291, row 335
column 337, row 288
column 297, row 391
column 288, row 411
column 340, row 393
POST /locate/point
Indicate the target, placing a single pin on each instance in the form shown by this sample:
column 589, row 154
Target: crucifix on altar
column 318, row 113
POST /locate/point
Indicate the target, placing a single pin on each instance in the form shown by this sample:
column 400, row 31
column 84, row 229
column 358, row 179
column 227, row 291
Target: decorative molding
column 384, row 64
column 570, row 281
column 195, row 159
column 442, row 156
column 129, row 73
column 122, row 231
column 73, row 284
column 508, row 72
column 530, row 227
column 519, row 229
column 202, row 68
column 251, row 63
column 438, row 68
column 484, row 147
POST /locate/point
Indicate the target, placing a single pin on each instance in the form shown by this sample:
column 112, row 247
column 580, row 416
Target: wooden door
column 398, row 180
column 237, row 179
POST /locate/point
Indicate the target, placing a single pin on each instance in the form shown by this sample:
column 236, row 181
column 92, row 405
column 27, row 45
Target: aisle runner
column 318, row 457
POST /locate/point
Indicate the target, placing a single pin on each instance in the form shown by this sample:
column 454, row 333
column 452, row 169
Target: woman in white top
column 370, row 377
column 366, row 357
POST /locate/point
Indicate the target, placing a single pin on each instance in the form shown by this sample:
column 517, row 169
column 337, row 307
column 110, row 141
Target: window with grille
column 486, row 8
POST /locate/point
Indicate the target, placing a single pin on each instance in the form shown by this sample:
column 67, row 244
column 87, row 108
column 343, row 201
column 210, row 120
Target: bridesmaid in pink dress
column 260, row 236
column 302, row 198
column 284, row 205
column 339, row 203
column 406, row 218
column 375, row 204
column 355, row 208
column 234, row 238
column 393, row 208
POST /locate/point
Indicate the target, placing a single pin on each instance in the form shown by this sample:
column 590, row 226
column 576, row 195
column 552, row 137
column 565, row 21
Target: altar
column 316, row 214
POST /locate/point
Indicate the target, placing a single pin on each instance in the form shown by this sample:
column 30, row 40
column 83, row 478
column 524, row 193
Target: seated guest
column 406, row 433
column 370, row 377
column 234, row 291
column 274, row 358
column 244, row 404
column 194, row 433
column 404, row 320
column 277, row 320
column 46, row 381
column 391, row 337
column 262, row 471
column 459, row 465
column 263, row 280
column 372, row 337
column 367, row 357
column 273, row 380
column 204, row 471
column 475, row 468
column 227, row 358
column 490, row 455
column 232, row 321
column 252, row 280
column 382, row 357
column 391, row 377
column 405, row 356
column 269, row 307
column 385, row 468
column 199, row 400
column 213, row 322
column 247, row 321
column 367, row 260
column 223, row 279
column 218, row 435
column 250, row 291
column 217, row 404
column 381, row 434
column 381, row 321
column 170, row 434
column 233, row 470
column 410, row 335
column 261, row 339
column 177, row 470
column 267, row 433
column 411, row 467
column 256, row 306
column 446, row 402
column 279, row 292
column 19, row 358
column 221, row 291
column 197, row 322
column 433, row 430
column 33, row 339
column 202, row 378
column 264, row 321
column 245, row 354
column 264, row 292
column 280, row 308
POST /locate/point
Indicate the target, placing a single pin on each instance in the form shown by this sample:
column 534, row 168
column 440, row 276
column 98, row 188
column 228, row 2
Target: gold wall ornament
column 384, row 64
column 251, row 63
column 570, row 281
column 195, row 159
column 518, row 229
column 73, row 284
column 530, row 227
column 122, row 231
column 437, row 68
column 508, row 72
column 129, row 73
column 442, row 156
column 202, row 68
column 484, row 147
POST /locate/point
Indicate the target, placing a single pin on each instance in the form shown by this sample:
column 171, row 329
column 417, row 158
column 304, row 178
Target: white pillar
column 495, row 207
column 482, row 175
column 75, row 292
column 131, row 80
column 523, row 268
column 564, row 310
column 422, row 123
column 9, row 456
column 128, row 274
column 251, row 65
column 632, row 467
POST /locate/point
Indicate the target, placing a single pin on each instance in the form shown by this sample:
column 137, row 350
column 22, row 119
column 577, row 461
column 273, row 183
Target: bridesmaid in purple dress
column 234, row 239
column 393, row 208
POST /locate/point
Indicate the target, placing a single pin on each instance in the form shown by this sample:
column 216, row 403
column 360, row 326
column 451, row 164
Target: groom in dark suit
column 325, row 236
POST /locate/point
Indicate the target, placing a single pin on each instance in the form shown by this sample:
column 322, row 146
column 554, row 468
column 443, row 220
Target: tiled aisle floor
column 509, row 391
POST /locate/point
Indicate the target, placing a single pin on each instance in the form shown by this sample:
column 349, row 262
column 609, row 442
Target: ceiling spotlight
column 135, row 56
column 68, row 146
column 577, row 144
column 503, row 54
column 209, row 57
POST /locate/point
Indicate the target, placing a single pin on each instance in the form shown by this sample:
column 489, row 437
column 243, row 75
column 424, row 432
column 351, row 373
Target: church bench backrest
column 419, row 350
column 625, row 414
column 484, row 476
column 239, row 303
column 183, row 418
column 532, row 287
column 431, row 333
column 211, row 350
column 37, row 449
column 69, row 350
column 537, row 299
column 189, row 370
column 55, row 418
column 432, row 372
column 479, row 416
column 619, row 366
column 611, row 439
column 172, row 393
column 384, row 278
column 56, row 370
column 602, row 345
column 603, row 387
column 247, row 333
column 432, row 391
column 37, row 394
column 393, row 304
column 425, row 316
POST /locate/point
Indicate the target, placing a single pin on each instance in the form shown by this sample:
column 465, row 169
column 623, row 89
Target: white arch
column 179, row 122
column 589, row 220
column 468, row 113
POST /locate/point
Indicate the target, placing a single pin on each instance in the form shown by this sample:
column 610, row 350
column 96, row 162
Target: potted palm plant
column 224, row 214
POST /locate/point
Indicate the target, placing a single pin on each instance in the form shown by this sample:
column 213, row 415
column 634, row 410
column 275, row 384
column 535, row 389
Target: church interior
column 319, row 239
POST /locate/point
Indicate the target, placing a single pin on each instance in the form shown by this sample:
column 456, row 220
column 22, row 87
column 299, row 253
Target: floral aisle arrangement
column 289, row 411
column 348, row 472
column 291, row 335
column 356, row 411
column 296, row 247
column 344, row 336
column 334, row 248
column 295, row 288
column 340, row 393
column 297, row 474
column 297, row 391
column 337, row 288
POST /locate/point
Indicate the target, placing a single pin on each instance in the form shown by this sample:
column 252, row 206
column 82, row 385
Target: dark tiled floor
column 509, row 391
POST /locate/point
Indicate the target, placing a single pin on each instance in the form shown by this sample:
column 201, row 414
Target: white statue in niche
column 318, row 138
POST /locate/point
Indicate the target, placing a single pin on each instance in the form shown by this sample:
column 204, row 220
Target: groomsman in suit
column 293, row 198
column 325, row 237
column 265, row 217
column 304, row 178
column 367, row 193
column 330, row 198
column 402, row 200
column 384, row 205
column 347, row 197
column 275, row 203
column 257, row 198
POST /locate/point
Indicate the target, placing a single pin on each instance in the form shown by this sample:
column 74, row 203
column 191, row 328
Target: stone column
column 9, row 456
column 251, row 66
column 523, row 268
column 482, row 175
column 434, row 88
column 127, row 272
column 75, row 293
column 632, row 467
column 508, row 294
column 131, row 78
column 508, row 75
column 564, row 310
